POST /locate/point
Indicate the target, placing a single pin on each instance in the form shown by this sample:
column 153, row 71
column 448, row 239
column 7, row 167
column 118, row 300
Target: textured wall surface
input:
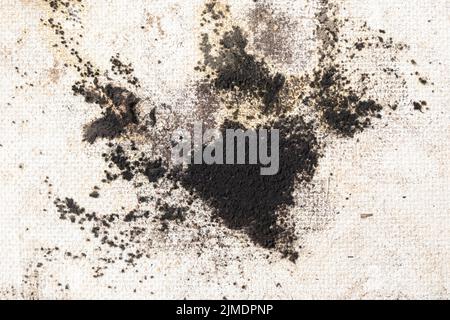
column 91, row 207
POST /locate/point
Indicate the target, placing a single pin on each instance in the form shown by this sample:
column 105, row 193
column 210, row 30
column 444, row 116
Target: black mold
column 121, row 111
column 246, row 200
column 129, row 164
column 239, row 196
column 343, row 109
column 237, row 70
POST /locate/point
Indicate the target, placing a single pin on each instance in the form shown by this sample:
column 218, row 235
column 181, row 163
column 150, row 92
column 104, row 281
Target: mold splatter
column 235, row 79
column 120, row 111
column 341, row 103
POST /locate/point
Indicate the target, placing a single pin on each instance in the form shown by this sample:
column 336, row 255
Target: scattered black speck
column 417, row 106
column 94, row 194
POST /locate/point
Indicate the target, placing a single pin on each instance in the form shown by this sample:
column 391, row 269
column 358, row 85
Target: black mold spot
column 68, row 208
column 423, row 81
column 109, row 127
column 129, row 165
column 121, row 111
column 343, row 109
column 272, row 32
column 154, row 170
column 419, row 105
column 235, row 69
column 125, row 70
column 134, row 215
column 173, row 213
column 246, row 200
column 94, row 194
column 239, row 196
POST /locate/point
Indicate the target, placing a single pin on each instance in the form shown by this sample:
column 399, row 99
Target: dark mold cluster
column 246, row 200
column 234, row 75
column 130, row 166
column 120, row 111
column 235, row 70
column 239, row 196
column 104, row 228
column 342, row 109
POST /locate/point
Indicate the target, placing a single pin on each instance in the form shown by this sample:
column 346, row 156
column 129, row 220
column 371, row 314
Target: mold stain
column 238, row 88
column 239, row 196
column 273, row 33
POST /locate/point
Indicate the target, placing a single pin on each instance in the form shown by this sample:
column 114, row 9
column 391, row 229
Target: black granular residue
column 342, row 105
column 342, row 108
column 154, row 170
column 120, row 111
column 109, row 126
column 234, row 69
column 128, row 163
column 171, row 213
column 117, row 102
column 62, row 5
column 419, row 105
column 239, row 196
column 94, row 194
column 423, row 81
column 234, row 75
column 68, row 208
column 119, row 232
column 122, row 162
column 246, row 200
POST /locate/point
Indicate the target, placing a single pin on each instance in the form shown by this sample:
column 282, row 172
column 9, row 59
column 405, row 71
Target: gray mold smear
column 283, row 37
